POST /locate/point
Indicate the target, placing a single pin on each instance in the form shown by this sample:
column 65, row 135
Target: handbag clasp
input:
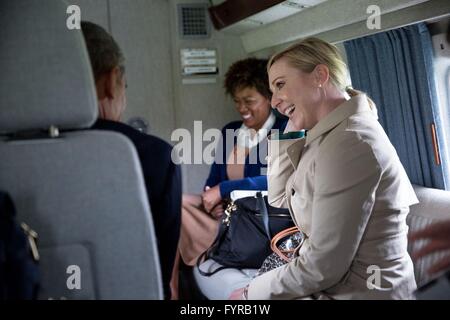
column 230, row 208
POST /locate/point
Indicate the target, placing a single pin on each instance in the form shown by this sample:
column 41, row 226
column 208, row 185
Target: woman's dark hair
column 248, row 73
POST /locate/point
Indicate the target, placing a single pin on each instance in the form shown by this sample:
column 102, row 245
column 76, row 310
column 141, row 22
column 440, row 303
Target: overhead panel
column 327, row 16
column 240, row 16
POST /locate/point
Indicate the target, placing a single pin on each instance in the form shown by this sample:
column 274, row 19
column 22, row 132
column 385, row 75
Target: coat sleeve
column 224, row 145
column 250, row 183
column 214, row 177
column 280, row 168
column 346, row 179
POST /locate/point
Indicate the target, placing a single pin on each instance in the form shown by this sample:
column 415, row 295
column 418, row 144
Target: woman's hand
column 211, row 197
column 438, row 235
column 237, row 294
column 218, row 210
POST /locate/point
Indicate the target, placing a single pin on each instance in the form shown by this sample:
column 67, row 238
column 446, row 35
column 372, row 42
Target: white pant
column 220, row 285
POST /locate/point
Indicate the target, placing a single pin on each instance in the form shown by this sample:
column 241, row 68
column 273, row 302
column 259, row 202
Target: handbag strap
column 217, row 242
column 265, row 215
column 208, row 273
column 219, row 239
column 280, row 235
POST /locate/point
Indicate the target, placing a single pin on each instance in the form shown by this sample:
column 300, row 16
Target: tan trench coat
column 348, row 192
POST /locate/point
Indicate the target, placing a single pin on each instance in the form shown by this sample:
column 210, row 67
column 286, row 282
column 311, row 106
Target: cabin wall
column 202, row 102
column 94, row 10
column 147, row 32
column 142, row 29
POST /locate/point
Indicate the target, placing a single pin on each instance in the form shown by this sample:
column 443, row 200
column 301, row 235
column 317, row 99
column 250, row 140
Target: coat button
column 293, row 192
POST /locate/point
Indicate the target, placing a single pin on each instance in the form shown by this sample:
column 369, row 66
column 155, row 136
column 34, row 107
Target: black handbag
column 243, row 239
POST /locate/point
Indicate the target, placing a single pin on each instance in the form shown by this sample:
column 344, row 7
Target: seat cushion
column 46, row 74
column 434, row 206
column 84, row 195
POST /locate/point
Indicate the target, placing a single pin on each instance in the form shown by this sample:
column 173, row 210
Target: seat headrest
column 46, row 77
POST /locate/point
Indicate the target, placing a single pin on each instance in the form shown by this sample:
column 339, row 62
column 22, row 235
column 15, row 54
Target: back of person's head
column 310, row 52
column 104, row 52
column 248, row 73
column 107, row 63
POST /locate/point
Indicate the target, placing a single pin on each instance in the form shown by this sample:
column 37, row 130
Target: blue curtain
column 395, row 68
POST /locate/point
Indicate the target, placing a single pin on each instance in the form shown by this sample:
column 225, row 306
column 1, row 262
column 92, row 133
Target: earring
column 320, row 85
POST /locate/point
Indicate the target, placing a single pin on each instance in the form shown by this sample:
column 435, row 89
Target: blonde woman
column 344, row 185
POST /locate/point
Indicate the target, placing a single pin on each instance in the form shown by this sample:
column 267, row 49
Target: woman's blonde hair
column 310, row 52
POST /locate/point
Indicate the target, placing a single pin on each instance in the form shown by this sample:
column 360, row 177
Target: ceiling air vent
column 193, row 21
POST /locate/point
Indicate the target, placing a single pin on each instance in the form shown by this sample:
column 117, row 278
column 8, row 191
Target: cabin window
column 396, row 69
column 441, row 61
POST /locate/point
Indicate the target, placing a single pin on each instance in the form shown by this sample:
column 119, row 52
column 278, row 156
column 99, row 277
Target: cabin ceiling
column 333, row 20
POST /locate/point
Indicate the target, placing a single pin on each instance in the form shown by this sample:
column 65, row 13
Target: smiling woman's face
column 295, row 94
column 253, row 107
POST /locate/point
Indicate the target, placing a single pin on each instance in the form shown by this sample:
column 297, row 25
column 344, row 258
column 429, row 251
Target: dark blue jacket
column 254, row 176
column 163, row 183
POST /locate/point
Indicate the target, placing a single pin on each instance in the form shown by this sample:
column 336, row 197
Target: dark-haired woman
column 241, row 165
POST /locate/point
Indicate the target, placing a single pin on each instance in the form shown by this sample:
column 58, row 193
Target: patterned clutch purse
column 291, row 242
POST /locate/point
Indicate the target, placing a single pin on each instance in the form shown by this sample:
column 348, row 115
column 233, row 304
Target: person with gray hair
column 108, row 66
column 161, row 176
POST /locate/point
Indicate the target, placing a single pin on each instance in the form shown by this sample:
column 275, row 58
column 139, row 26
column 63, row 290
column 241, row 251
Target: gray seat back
column 434, row 206
column 82, row 191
